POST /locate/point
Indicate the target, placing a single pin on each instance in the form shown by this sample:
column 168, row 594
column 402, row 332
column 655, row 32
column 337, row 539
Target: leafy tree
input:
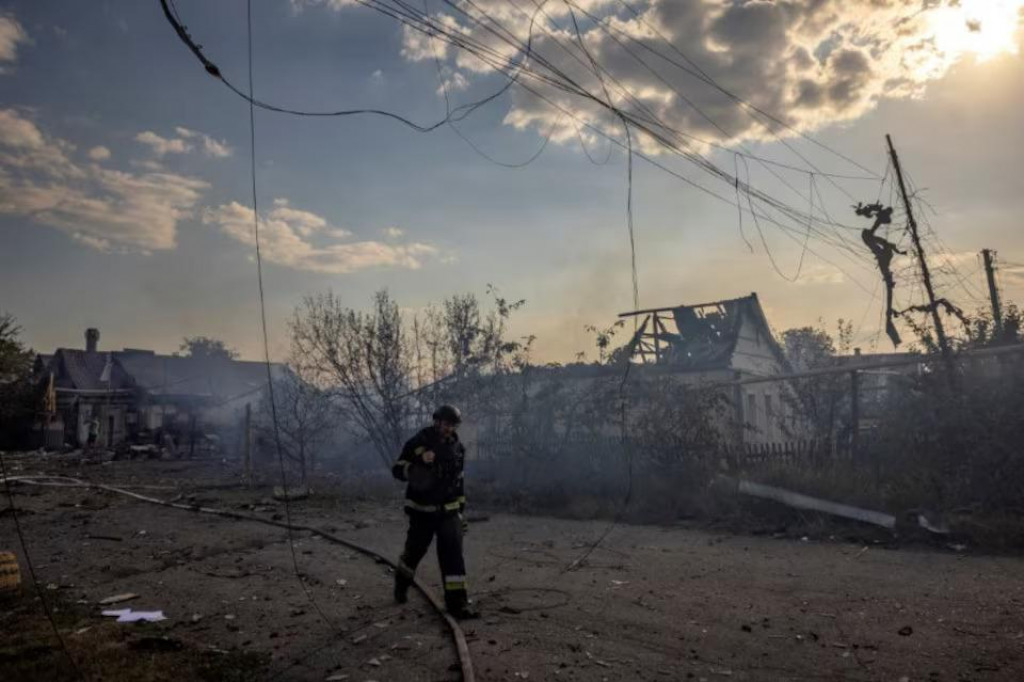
column 17, row 394
column 208, row 348
column 981, row 330
column 823, row 401
column 15, row 359
column 603, row 342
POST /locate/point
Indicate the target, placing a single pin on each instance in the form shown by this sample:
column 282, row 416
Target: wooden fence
column 802, row 453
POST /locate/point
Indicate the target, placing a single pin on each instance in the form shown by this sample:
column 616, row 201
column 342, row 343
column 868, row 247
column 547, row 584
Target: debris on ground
column 130, row 616
column 118, row 598
column 291, row 494
column 157, row 644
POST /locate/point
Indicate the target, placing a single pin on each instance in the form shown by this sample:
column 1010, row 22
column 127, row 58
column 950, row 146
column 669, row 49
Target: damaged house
column 138, row 395
column 719, row 345
column 721, row 342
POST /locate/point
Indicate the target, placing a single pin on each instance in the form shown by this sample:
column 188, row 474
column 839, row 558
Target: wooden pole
column 657, row 342
column 993, row 291
column 940, row 330
column 737, row 399
column 854, row 414
column 247, row 444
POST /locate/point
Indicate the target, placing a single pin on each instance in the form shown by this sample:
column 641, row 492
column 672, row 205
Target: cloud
column 103, row 208
column 11, row 36
column 1012, row 275
column 819, row 273
column 162, row 146
column 812, row 63
column 393, row 232
column 299, row 5
column 186, row 141
column 100, row 153
column 452, row 81
column 210, row 146
column 305, row 241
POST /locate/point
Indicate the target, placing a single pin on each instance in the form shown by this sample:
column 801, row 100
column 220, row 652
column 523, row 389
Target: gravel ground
column 650, row 603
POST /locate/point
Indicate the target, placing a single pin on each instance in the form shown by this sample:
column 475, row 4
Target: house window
column 752, row 410
column 769, row 414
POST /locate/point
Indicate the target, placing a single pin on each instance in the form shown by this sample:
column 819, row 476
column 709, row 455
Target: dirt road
column 650, row 603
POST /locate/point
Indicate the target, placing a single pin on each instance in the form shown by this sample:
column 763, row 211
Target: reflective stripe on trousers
column 454, row 582
column 432, row 508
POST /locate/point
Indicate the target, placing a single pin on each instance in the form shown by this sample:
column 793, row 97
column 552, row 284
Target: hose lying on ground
column 458, row 636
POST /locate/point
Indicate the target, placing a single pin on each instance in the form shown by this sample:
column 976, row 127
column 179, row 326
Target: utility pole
column 247, row 445
column 990, row 272
column 855, row 413
column 940, row 331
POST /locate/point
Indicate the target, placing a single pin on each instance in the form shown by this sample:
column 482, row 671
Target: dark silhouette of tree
column 207, row 348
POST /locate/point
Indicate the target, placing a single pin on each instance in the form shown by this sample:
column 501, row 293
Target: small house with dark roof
column 136, row 394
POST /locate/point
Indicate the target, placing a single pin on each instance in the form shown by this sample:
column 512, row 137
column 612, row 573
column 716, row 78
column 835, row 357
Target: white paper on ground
column 129, row 616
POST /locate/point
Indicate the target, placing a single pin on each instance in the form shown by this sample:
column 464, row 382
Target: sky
column 125, row 186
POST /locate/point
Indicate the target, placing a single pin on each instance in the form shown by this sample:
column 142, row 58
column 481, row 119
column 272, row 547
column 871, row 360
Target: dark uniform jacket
column 435, row 487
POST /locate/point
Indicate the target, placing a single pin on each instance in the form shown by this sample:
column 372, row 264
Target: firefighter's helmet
column 448, row 413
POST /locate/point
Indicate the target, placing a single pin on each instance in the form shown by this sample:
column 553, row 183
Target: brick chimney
column 92, row 339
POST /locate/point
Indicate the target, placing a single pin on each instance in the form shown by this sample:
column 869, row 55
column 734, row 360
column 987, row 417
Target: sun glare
column 983, row 28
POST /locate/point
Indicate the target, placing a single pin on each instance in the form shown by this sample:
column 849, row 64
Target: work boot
column 461, row 609
column 401, row 589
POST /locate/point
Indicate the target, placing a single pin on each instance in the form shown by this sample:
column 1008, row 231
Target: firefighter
column 432, row 464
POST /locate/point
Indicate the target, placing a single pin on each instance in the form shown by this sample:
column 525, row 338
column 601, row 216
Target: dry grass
column 105, row 650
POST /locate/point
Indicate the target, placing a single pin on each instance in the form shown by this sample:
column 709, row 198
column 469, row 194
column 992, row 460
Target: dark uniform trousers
column 423, row 526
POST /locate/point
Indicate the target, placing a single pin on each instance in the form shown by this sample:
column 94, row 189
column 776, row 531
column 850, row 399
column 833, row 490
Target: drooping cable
column 32, row 571
column 286, row 494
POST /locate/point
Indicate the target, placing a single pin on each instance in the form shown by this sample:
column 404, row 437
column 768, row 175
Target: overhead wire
column 586, row 152
column 760, row 232
column 521, row 70
column 465, row 138
column 39, row 592
column 286, row 494
column 568, row 85
column 627, row 364
column 767, row 163
column 697, row 70
column 739, row 209
column 640, row 123
column 695, row 157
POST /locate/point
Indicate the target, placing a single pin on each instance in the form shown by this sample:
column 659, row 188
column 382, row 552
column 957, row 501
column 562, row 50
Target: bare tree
column 466, row 346
column 304, row 416
column 362, row 359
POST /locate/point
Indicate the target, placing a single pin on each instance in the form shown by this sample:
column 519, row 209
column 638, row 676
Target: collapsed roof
column 698, row 337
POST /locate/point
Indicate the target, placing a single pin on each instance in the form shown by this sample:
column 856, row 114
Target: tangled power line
column 532, row 72
column 525, row 68
column 522, row 66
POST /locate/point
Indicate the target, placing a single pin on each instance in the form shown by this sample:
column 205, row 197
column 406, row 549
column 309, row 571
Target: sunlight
column 982, row 28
